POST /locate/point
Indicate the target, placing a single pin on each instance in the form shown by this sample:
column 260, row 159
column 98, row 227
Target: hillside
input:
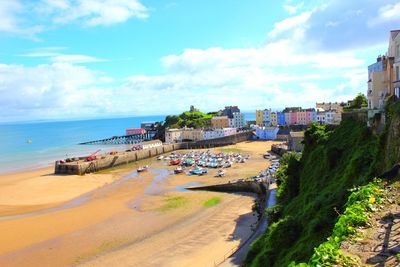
column 314, row 188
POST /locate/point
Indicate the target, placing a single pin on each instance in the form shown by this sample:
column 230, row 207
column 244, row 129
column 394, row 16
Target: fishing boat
column 197, row 172
column 143, row 168
column 178, row 170
column 175, row 162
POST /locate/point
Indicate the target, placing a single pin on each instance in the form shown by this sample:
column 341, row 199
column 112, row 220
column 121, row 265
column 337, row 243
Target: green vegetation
column 174, row 203
column 195, row 119
column 231, row 150
column 189, row 119
column 360, row 204
column 360, row 101
column 313, row 190
column 212, row 202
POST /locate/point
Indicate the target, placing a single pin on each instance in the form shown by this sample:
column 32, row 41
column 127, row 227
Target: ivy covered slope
column 313, row 190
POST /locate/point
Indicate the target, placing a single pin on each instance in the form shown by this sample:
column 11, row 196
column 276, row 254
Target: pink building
column 293, row 118
column 132, row 131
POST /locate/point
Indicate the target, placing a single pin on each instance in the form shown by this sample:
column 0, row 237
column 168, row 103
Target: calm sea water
column 57, row 140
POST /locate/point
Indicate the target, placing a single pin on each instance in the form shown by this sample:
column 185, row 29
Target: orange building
column 220, row 122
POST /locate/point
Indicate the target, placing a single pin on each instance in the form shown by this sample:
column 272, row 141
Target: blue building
column 267, row 133
column 281, row 118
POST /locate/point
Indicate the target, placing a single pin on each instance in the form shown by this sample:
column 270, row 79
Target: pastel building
column 237, row 120
column 173, row 135
column 378, row 86
column 190, row 134
column 321, row 117
column 393, row 68
column 267, row 133
column 219, row 122
column 281, row 118
column 274, row 119
column 217, row 133
column 263, row 117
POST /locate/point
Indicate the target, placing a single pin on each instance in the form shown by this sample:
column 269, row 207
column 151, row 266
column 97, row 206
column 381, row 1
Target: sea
column 34, row 145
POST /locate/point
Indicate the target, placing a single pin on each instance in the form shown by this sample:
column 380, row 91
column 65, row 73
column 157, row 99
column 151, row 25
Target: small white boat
column 160, row 157
column 143, row 168
column 221, row 173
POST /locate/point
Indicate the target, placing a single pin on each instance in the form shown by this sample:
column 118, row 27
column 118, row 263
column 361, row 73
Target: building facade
column 217, row 133
column 378, row 87
column 267, row 133
column 330, row 105
column 229, row 110
column 173, row 136
column 134, row 131
column 274, row 119
column 281, row 118
column 238, row 120
column 219, row 122
column 190, row 134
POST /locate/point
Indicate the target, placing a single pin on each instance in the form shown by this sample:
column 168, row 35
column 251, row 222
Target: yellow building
column 259, row 117
column 220, row 122
column 274, row 119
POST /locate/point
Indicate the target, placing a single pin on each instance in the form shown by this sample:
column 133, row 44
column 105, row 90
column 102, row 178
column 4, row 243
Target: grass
column 398, row 256
column 231, row 150
column 174, row 203
column 212, row 202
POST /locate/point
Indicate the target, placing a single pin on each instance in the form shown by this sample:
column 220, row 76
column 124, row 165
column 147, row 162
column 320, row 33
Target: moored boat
column 143, row 168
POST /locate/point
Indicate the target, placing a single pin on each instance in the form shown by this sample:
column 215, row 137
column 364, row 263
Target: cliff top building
column 229, row 110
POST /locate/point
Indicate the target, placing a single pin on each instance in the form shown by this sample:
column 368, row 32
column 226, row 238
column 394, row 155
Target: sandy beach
column 121, row 218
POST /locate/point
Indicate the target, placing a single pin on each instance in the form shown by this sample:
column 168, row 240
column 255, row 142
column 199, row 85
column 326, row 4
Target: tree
column 359, row 101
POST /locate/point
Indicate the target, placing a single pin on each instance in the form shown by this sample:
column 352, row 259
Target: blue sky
column 74, row 59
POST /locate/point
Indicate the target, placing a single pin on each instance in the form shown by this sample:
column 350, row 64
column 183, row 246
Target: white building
column 321, row 117
column 173, row 136
column 151, row 144
column 217, row 133
column 237, row 120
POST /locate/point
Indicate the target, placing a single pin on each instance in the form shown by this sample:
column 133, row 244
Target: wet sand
column 122, row 218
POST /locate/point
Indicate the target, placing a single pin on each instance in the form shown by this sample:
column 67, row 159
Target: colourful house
column 267, row 133
column 281, row 118
column 274, row 119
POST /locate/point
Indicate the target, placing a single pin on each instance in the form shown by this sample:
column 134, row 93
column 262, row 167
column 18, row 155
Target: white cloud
column 389, row 12
column 93, row 12
column 27, row 18
column 75, row 59
column 53, row 54
column 290, row 23
column 11, row 20
column 292, row 9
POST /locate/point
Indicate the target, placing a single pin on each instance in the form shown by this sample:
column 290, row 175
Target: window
column 397, row 73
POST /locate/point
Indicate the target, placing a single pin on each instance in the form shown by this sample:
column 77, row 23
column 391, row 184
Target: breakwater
column 106, row 161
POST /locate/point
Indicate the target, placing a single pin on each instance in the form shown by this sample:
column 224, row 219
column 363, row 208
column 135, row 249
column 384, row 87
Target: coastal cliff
column 314, row 187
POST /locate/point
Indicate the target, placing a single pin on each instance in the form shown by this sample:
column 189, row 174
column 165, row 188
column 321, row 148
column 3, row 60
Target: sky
column 76, row 59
